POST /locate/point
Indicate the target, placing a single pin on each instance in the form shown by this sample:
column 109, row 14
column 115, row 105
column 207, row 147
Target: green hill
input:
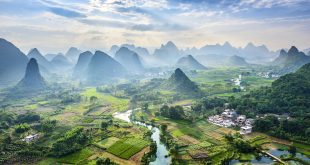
column 179, row 82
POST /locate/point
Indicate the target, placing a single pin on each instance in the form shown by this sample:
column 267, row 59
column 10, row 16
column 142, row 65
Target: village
column 229, row 118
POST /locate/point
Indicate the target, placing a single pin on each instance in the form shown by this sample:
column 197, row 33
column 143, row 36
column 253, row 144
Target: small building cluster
column 31, row 138
column 229, row 118
column 268, row 75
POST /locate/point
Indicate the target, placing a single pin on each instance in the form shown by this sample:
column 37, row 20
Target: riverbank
column 162, row 153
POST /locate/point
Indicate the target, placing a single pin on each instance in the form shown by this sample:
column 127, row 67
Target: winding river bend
column 162, row 152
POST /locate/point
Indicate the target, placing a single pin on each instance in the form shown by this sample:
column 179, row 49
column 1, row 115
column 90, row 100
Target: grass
column 183, row 102
column 177, row 133
column 108, row 142
column 246, row 157
column 116, row 104
column 127, row 147
column 76, row 157
column 190, row 131
column 73, row 158
column 302, row 148
column 31, row 107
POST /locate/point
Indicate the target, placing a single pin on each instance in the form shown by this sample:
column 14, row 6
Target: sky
column 55, row 25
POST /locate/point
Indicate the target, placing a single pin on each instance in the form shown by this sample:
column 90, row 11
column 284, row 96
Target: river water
column 267, row 160
column 162, row 152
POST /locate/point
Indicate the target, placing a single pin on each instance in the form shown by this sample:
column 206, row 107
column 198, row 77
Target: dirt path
column 138, row 156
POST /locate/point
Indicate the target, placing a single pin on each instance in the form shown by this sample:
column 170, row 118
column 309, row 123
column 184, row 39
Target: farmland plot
column 125, row 148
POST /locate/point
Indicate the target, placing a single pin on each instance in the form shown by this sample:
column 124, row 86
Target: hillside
column 12, row 63
column 168, row 53
column 179, row 82
column 42, row 61
column 129, row 59
column 292, row 60
column 73, row 54
column 82, row 64
column 60, row 62
column 236, row 61
column 103, row 68
column 190, row 63
column 32, row 79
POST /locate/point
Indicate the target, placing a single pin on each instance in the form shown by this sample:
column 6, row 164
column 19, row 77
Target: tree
column 104, row 125
column 229, row 137
column 48, row 125
column 21, row 128
column 93, row 99
column 292, row 150
column 73, row 140
column 28, row 118
column 163, row 128
column 103, row 161
column 145, row 107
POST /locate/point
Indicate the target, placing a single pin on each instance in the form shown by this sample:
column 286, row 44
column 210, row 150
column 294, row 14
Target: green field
column 127, row 147
column 74, row 158
column 108, row 142
column 116, row 104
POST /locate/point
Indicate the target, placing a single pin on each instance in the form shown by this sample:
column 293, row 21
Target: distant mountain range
column 189, row 63
column 143, row 52
column 131, row 59
column 169, row 53
column 251, row 53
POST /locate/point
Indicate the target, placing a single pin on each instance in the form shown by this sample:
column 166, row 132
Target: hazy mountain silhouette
column 12, row 63
column 129, row 59
column 73, row 54
column 225, row 49
column 139, row 50
column 168, row 54
column 50, row 56
column 32, row 79
column 190, row 63
column 41, row 60
column 252, row 53
column 257, row 54
column 82, row 64
column 292, row 57
column 179, row 82
column 236, row 61
column 60, row 61
column 103, row 68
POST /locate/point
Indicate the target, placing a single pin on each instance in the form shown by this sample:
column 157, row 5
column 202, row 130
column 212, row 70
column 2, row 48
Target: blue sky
column 55, row 25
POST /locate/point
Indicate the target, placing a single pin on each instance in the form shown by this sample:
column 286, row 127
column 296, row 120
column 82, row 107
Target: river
column 162, row 152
